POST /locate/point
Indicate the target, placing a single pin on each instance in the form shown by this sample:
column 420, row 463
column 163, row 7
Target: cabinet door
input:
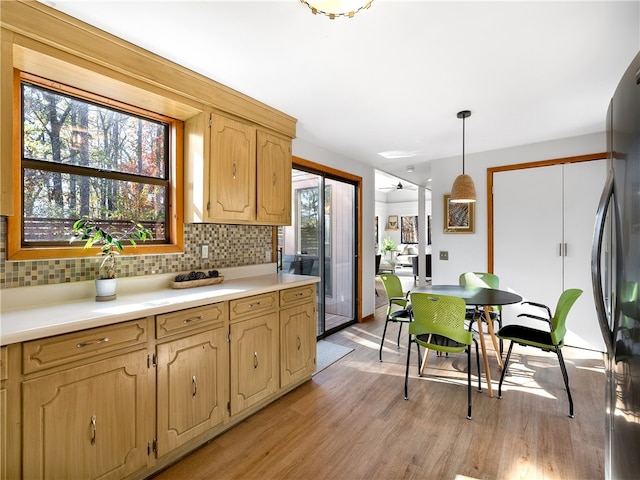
column 254, row 361
column 527, row 226
column 3, row 413
column 232, row 172
column 583, row 184
column 297, row 343
column 543, row 228
column 274, row 179
column 192, row 387
column 93, row 421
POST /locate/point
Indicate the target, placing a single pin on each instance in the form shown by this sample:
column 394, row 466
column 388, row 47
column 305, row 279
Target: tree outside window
column 83, row 158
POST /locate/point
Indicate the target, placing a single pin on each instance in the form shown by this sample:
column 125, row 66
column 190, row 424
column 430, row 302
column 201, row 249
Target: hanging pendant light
column 463, row 189
column 337, row 8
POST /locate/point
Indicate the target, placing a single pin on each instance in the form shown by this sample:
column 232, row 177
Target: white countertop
column 22, row 320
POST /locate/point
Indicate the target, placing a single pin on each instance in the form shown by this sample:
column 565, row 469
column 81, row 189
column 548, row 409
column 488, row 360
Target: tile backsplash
column 229, row 246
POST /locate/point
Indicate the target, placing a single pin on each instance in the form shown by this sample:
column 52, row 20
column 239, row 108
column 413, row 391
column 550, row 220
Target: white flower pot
column 105, row 289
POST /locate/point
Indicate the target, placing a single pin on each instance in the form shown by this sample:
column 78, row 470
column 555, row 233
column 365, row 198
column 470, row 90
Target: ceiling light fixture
column 337, row 8
column 463, row 189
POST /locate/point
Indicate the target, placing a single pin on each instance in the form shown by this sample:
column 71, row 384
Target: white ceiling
column 394, row 76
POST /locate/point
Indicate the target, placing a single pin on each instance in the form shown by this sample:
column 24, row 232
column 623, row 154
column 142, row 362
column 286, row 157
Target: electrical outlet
column 444, row 255
column 204, row 252
column 267, row 256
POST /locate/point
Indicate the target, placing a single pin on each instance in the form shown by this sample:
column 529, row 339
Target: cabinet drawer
column 253, row 306
column 294, row 296
column 3, row 363
column 190, row 319
column 53, row 351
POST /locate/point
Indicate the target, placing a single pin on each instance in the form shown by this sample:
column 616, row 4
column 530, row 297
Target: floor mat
column 328, row 353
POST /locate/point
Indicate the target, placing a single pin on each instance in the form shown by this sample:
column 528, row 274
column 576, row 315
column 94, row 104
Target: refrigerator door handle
column 596, row 268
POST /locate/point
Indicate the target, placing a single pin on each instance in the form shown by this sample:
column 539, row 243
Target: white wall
column 469, row 252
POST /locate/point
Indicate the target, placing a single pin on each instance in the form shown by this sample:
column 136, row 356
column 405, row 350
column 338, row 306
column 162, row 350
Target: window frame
column 174, row 224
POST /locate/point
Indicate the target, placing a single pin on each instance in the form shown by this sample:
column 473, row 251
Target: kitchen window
column 85, row 155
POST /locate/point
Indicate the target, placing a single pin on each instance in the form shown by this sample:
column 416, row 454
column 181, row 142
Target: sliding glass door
column 322, row 241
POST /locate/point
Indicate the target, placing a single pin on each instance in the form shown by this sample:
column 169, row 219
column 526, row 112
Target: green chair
column 398, row 310
column 549, row 341
column 482, row 280
column 438, row 324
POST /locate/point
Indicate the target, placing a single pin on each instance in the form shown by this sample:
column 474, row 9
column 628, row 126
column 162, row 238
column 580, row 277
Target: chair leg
column 399, row 332
column 478, row 365
column 469, row 382
column 384, row 332
column 504, row 370
column 406, row 372
column 563, row 368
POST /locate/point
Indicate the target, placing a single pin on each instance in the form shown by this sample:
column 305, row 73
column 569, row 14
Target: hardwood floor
column 351, row 421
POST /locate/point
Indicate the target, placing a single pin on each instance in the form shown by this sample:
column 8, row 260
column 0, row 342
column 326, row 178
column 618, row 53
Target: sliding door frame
column 313, row 167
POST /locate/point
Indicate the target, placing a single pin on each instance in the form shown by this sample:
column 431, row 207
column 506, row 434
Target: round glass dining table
column 479, row 298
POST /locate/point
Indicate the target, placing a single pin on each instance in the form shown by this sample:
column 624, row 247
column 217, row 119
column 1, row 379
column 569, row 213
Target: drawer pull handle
column 299, row 294
column 193, row 319
column 251, row 305
column 275, row 178
column 94, row 342
column 255, row 360
column 93, row 429
column 299, row 342
column 235, row 170
column 194, row 387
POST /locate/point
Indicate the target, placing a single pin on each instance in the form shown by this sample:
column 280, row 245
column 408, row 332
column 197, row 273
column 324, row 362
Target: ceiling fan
column 399, row 186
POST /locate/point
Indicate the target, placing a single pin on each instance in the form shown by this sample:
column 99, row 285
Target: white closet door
column 527, row 228
column 536, row 212
column 583, row 183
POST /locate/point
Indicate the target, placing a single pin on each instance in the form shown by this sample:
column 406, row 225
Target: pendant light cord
column 463, row 123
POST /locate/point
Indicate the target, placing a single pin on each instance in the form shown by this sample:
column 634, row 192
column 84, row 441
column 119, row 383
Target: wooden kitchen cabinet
column 128, row 399
column 273, row 179
column 254, row 339
column 297, row 334
column 192, row 377
column 3, row 413
column 236, row 172
column 232, row 174
column 89, row 421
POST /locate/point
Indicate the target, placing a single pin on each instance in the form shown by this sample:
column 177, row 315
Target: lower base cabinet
column 254, row 361
column 192, row 387
column 118, row 402
column 90, row 421
column 297, row 334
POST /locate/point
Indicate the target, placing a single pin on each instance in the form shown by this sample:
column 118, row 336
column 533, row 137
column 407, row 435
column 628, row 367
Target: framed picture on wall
column 458, row 217
column 392, row 222
column 409, row 229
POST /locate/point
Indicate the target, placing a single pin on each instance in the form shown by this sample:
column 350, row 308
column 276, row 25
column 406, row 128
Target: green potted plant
column 110, row 244
column 388, row 246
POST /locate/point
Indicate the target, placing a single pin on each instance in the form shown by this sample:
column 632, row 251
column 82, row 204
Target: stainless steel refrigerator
column 616, row 278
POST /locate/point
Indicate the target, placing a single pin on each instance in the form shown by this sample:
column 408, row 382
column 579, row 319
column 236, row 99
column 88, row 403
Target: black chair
column 551, row 340
column 414, row 265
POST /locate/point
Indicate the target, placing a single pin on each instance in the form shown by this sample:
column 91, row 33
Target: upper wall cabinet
column 235, row 172
column 274, row 179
